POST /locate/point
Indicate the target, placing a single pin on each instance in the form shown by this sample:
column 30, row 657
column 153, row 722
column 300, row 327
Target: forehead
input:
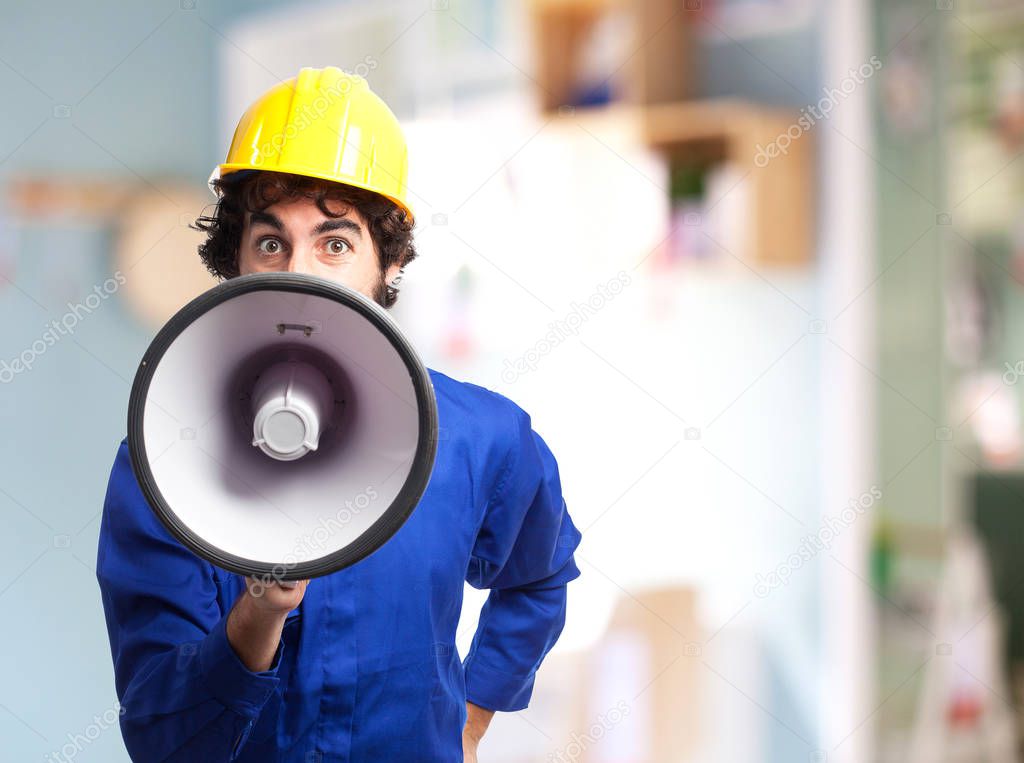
column 302, row 211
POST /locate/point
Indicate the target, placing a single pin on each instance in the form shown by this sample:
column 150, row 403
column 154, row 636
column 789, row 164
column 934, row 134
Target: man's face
column 295, row 236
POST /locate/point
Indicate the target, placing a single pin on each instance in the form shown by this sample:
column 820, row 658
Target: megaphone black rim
column 390, row 520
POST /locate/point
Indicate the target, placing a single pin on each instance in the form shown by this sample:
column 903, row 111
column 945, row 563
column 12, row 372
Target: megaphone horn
column 281, row 424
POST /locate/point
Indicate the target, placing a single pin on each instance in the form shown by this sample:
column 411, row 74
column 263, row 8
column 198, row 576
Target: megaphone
column 282, row 425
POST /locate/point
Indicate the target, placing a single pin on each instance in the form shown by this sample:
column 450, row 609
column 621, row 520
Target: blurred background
column 753, row 266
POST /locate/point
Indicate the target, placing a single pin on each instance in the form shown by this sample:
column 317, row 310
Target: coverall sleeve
column 523, row 553
column 184, row 693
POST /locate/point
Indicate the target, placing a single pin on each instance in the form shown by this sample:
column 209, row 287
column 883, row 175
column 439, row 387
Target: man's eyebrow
column 338, row 223
column 267, row 219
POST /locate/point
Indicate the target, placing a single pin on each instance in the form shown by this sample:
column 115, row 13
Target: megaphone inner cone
column 292, row 404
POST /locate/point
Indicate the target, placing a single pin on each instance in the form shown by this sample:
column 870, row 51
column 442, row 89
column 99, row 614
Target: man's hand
column 477, row 720
column 271, row 597
column 257, row 619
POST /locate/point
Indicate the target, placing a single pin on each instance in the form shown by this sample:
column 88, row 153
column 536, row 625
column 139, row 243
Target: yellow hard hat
column 328, row 124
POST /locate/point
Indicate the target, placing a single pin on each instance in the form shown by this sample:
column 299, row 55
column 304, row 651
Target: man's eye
column 338, row 246
column 269, row 246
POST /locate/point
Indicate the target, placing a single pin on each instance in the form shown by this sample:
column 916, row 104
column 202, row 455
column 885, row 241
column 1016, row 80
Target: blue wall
column 140, row 82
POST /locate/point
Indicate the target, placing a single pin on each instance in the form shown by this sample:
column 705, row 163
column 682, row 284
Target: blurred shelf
column 651, row 90
column 778, row 185
column 574, row 6
column 756, row 141
column 669, row 124
column 42, row 197
column 570, row 35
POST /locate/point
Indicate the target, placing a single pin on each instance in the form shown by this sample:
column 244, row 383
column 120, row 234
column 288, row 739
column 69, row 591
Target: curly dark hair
column 251, row 191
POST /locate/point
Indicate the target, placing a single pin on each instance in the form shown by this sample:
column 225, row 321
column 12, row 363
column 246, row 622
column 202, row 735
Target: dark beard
column 380, row 290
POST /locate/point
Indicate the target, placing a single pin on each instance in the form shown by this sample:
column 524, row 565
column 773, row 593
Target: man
column 359, row 665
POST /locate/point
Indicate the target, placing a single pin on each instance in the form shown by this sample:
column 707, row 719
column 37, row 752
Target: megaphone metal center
column 292, row 402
